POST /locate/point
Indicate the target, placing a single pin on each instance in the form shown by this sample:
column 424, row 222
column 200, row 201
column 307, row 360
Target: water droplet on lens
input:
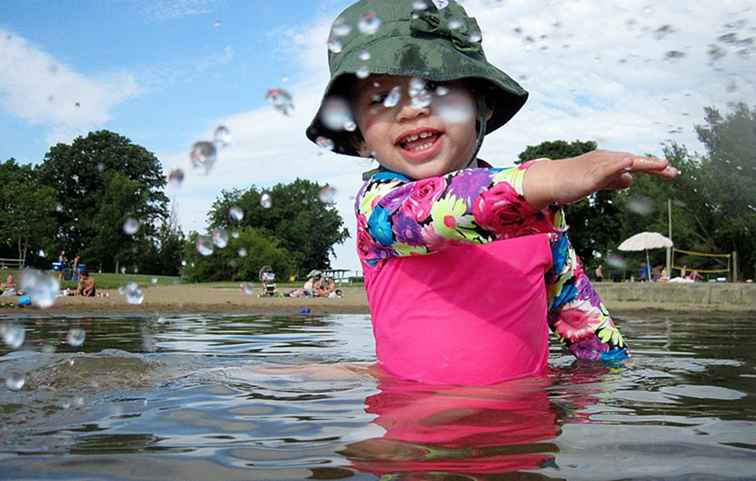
column 220, row 238
column 674, row 55
column 76, row 337
column 334, row 45
column 242, row 252
column 350, row 126
column 183, row 263
column 131, row 226
column 281, row 100
column 41, row 253
column 327, row 194
column 222, row 136
column 641, row 205
column 618, row 262
column 475, row 37
column 15, row 381
column 455, row 109
column 235, row 213
column 176, row 177
column 247, row 289
column 454, row 24
column 217, row 24
column 266, row 201
column 369, row 23
column 133, row 293
column 441, row 91
column 341, row 28
column 13, row 335
column 362, row 72
column 335, row 113
column 325, row 143
column 419, row 5
column 204, row 245
column 416, row 86
column 123, row 270
column 42, row 288
column 393, row 98
column 235, row 234
column 422, row 100
column 364, row 55
column 203, row 156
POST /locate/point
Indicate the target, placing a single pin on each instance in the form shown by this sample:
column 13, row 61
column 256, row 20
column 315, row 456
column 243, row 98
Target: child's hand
column 572, row 179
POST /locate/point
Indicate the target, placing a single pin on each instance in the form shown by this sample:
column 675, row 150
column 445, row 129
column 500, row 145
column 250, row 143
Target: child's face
column 419, row 142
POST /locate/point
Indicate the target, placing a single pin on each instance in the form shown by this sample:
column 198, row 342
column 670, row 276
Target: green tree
column 556, row 149
column 304, row 224
column 594, row 221
column 728, row 182
column 240, row 260
column 100, row 180
column 26, row 210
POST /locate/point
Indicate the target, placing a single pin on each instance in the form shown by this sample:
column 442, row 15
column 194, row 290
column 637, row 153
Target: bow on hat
column 432, row 23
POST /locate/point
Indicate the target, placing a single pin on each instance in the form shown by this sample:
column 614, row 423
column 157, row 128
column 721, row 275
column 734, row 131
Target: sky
column 630, row 75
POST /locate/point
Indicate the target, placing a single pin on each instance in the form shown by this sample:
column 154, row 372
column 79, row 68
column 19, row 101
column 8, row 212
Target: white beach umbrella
column 643, row 242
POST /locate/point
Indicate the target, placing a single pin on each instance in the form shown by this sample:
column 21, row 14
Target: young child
column 455, row 253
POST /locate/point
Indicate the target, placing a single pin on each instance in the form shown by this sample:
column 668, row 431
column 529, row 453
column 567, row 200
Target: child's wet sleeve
column 577, row 315
column 400, row 217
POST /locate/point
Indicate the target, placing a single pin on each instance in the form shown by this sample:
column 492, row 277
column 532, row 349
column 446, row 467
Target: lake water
column 288, row 398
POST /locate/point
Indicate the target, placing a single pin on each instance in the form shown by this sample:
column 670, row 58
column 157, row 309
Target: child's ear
column 362, row 148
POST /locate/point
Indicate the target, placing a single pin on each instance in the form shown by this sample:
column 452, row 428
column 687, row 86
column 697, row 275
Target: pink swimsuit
column 464, row 279
column 463, row 324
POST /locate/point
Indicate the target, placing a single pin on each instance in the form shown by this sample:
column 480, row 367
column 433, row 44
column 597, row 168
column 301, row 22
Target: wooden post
column 734, row 266
column 669, row 249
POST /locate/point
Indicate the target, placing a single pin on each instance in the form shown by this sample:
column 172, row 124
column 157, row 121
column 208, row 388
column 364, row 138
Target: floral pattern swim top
column 398, row 216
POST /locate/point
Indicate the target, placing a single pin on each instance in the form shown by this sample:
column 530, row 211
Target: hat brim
column 441, row 62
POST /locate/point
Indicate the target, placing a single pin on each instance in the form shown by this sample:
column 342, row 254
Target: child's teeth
column 412, row 138
column 424, row 135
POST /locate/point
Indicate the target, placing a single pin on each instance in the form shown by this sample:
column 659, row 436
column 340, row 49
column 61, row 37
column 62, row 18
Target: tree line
column 713, row 202
column 81, row 195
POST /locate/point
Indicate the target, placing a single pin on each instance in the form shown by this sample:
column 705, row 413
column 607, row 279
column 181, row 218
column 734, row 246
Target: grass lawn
column 114, row 281
column 107, row 280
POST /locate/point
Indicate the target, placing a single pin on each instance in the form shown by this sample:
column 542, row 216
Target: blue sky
column 189, row 67
column 166, row 73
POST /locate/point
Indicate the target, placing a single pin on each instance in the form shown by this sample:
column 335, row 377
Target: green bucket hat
column 430, row 39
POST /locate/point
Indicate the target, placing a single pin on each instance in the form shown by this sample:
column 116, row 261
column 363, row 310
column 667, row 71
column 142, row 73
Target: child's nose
column 409, row 111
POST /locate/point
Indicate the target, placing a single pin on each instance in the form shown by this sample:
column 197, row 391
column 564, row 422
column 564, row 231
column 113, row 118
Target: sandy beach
column 198, row 298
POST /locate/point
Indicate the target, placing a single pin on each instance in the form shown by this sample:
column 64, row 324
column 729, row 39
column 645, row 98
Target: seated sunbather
column 86, row 285
column 9, row 288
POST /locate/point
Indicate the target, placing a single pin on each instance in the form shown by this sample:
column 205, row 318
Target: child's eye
column 378, row 98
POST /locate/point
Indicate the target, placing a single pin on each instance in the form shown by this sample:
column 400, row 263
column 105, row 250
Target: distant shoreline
column 198, row 298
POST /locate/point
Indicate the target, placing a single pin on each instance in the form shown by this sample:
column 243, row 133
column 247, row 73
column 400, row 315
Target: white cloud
column 41, row 90
column 579, row 92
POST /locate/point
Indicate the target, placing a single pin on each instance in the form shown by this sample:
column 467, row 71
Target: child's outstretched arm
column 576, row 313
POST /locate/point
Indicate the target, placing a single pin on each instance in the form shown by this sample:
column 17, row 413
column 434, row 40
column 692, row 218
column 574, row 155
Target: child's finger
column 648, row 164
column 623, row 181
column 668, row 173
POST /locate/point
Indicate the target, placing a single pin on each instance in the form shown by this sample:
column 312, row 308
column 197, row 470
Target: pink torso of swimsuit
column 469, row 314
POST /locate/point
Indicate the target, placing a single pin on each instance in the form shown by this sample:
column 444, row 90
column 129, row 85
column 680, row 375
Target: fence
column 11, row 263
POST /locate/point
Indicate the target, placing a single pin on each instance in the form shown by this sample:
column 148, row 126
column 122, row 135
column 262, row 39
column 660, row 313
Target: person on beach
column 86, row 286
column 599, row 273
column 10, row 287
column 466, row 266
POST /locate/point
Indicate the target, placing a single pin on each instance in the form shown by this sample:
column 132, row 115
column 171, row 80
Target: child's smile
column 413, row 136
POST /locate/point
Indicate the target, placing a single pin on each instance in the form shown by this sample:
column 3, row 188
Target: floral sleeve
column 400, row 217
column 577, row 315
